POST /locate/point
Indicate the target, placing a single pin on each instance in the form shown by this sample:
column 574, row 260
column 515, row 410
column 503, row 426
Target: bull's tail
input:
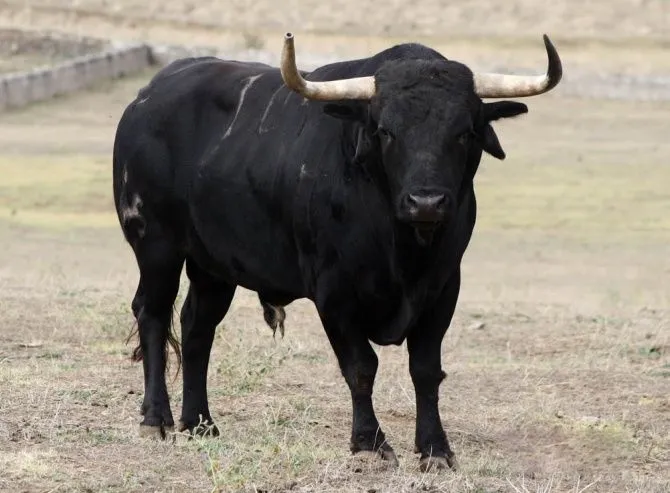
column 172, row 342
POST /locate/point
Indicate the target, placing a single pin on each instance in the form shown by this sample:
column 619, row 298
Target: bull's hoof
column 381, row 460
column 155, row 432
column 437, row 463
column 207, row 429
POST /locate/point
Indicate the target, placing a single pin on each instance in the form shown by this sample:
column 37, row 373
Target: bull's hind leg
column 207, row 302
column 138, row 300
column 160, row 267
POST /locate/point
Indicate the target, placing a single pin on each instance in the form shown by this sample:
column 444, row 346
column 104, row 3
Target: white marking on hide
column 143, row 100
column 305, row 172
column 267, row 110
column 124, row 179
column 132, row 211
column 243, row 93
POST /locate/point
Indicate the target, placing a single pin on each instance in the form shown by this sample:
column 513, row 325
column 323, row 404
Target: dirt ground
column 558, row 358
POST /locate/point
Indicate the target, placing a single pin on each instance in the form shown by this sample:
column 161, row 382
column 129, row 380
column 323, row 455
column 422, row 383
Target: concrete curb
column 22, row 88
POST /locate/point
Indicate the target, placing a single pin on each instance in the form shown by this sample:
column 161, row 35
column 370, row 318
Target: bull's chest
column 388, row 297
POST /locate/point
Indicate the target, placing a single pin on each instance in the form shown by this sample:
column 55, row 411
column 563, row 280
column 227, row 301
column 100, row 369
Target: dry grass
column 558, row 359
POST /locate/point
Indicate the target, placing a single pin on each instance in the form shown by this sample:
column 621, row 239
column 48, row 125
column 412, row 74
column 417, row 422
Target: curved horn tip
column 554, row 65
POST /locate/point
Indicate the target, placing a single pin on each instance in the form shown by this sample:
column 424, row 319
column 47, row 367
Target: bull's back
column 173, row 123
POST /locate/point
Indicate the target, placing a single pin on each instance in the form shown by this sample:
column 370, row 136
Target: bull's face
column 424, row 123
column 429, row 129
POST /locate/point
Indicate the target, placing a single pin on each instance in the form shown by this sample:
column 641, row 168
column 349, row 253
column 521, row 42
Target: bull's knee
column 424, row 376
column 361, row 376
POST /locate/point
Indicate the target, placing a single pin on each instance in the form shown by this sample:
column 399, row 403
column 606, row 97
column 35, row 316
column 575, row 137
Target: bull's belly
column 253, row 253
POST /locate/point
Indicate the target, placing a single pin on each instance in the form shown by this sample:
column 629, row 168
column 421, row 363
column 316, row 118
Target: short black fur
column 366, row 208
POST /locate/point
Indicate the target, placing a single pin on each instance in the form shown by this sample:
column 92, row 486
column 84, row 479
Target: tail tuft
column 172, row 341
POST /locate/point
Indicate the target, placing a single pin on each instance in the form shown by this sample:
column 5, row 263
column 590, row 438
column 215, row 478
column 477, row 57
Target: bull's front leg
column 424, row 346
column 358, row 363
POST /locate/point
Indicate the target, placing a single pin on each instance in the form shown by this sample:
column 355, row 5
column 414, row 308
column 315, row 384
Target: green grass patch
column 57, row 192
column 574, row 185
column 245, row 366
column 277, row 444
column 591, row 199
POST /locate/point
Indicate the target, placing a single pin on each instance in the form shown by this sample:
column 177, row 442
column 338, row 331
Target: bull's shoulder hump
column 369, row 65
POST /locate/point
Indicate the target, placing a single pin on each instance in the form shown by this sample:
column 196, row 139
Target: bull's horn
column 332, row 90
column 515, row 86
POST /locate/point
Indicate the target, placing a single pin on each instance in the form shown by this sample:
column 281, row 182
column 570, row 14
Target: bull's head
column 426, row 120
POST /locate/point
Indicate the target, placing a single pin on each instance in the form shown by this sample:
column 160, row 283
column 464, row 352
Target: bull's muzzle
column 426, row 209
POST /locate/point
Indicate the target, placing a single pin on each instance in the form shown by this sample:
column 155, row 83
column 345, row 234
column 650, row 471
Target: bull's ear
column 495, row 111
column 491, row 144
column 502, row 109
column 346, row 111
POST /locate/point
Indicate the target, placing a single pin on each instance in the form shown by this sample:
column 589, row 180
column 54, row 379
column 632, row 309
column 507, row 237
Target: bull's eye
column 385, row 134
column 464, row 138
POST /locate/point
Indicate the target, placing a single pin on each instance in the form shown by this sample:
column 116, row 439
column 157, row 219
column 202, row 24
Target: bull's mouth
column 424, row 232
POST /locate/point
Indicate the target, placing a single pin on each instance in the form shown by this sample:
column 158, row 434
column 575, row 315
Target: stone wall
column 22, row 88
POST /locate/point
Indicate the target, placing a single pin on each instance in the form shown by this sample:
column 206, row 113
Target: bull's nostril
column 440, row 201
column 427, row 202
column 412, row 200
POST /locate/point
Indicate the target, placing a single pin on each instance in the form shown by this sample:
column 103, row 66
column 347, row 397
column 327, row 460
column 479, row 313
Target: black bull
column 356, row 194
